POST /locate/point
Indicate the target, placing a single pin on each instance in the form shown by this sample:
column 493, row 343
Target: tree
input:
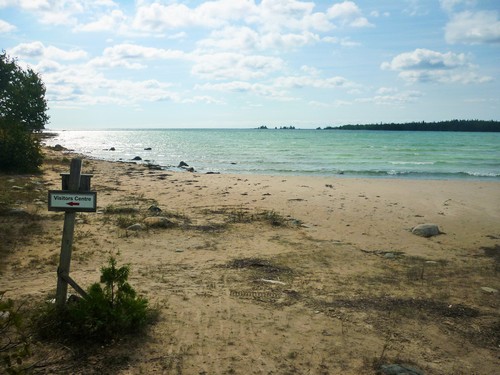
column 22, row 96
column 23, row 110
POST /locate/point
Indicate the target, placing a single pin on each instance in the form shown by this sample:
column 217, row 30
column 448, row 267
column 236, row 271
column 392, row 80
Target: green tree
column 23, row 110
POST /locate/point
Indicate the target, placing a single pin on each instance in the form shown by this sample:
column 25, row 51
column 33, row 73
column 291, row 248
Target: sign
column 64, row 200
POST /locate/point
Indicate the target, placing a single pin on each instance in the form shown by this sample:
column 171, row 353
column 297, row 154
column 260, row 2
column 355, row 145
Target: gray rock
column 426, row 230
column 58, row 147
column 112, row 149
column 17, row 187
column 137, row 158
column 389, row 255
column 158, row 222
column 135, row 227
column 396, row 369
column 489, row 290
column 148, row 149
column 154, row 209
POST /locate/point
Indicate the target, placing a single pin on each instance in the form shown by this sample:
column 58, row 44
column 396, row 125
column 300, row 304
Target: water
column 426, row 155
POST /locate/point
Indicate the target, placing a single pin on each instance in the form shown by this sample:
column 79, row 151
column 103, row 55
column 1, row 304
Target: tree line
column 450, row 126
column 23, row 113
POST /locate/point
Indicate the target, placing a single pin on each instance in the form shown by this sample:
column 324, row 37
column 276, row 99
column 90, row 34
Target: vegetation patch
column 110, row 310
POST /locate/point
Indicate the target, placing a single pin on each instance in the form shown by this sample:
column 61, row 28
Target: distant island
column 280, row 128
column 442, row 126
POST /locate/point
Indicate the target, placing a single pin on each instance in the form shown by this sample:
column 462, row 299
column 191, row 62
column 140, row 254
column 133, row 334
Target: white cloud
column 113, row 21
column 473, row 28
column 450, row 5
column 425, row 59
column 6, row 27
column 347, row 13
column 387, row 96
column 158, row 17
column 228, row 65
column 37, row 50
column 344, row 42
column 297, row 82
column 132, row 56
column 58, row 12
column 423, row 65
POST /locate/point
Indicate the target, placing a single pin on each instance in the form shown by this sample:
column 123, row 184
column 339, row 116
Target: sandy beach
column 275, row 275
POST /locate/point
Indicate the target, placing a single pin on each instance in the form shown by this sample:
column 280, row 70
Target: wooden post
column 67, row 237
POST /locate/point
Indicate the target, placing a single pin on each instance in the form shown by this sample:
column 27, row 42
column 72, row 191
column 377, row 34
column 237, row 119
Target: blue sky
column 246, row 63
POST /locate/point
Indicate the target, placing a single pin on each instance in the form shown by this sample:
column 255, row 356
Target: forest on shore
column 450, row 126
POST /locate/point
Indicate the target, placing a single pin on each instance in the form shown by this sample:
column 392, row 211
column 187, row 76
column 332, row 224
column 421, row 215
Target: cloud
column 391, row 96
column 158, row 17
column 473, row 28
column 37, row 50
column 344, row 42
column 230, row 65
column 246, row 39
column 6, row 27
column 132, row 56
column 347, row 13
column 425, row 59
column 81, row 85
column 113, row 21
column 259, row 89
column 423, row 65
column 298, row 82
column 58, row 12
column 450, row 5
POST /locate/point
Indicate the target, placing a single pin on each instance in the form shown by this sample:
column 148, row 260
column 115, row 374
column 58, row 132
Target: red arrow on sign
column 73, row 204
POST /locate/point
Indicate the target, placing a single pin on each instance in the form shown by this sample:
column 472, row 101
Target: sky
column 248, row 63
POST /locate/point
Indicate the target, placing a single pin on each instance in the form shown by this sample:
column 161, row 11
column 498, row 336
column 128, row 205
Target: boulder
column 58, row 147
column 154, row 209
column 135, row 227
column 148, row 149
column 112, row 149
column 158, row 222
column 426, row 230
column 137, row 158
column 183, row 164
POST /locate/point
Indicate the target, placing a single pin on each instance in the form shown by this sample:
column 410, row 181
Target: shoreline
column 171, row 168
column 289, row 160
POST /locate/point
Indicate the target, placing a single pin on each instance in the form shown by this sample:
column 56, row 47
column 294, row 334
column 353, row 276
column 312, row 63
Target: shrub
column 108, row 311
column 20, row 150
column 14, row 343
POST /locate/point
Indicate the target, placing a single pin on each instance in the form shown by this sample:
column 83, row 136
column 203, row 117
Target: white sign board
column 63, row 200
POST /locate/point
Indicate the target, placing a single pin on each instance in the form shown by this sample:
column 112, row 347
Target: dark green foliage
column 23, row 110
column 22, row 96
column 111, row 309
column 14, row 343
column 452, row 126
column 20, row 150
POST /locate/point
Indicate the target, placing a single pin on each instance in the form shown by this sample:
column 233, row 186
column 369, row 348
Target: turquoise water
column 427, row 155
